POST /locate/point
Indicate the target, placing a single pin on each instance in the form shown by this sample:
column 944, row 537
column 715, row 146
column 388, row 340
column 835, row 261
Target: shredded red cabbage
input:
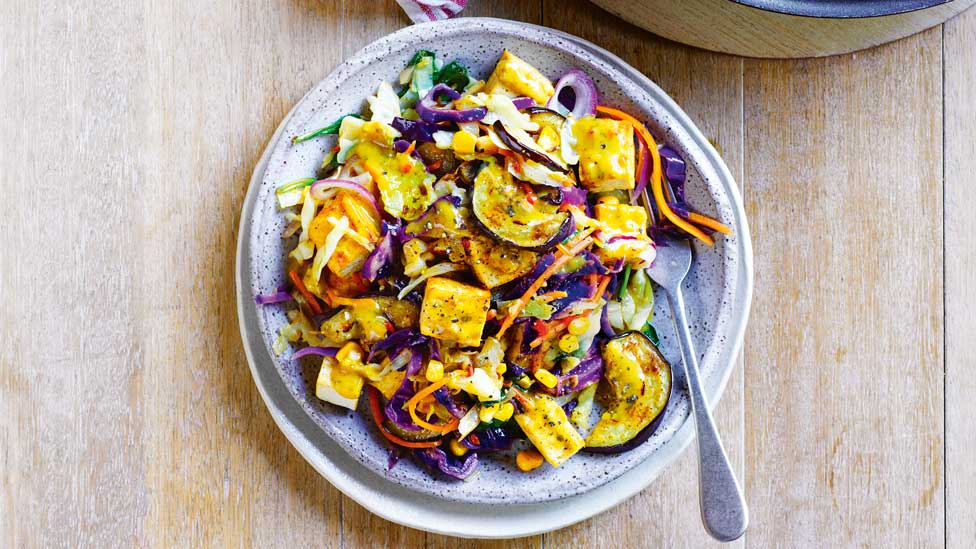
column 605, row 327
column 522, row 284
column 397, row 342
column 574, row 196
column 380, row 260
column 394, row 409
column 523, row 102
column 415, row 130
column 447, row 400
column 281, row 295
column 428, row 110
column 436, row 459
column 491, row 439
column 586, row 373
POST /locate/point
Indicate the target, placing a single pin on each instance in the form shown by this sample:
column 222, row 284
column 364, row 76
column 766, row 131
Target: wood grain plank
column 219, row 470
column 72, row 362
column 708, row 87
column 844, row 352
column 960, row 280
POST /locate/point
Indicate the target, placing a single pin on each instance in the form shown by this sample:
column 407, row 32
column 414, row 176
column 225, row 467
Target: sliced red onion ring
column 319, row 188
column 318, row 351
column 281, row 295
column 575, row 196
column 427, row 107
column 586, row 95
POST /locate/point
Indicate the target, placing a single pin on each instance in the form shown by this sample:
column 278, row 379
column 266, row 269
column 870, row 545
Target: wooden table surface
column 128, row 132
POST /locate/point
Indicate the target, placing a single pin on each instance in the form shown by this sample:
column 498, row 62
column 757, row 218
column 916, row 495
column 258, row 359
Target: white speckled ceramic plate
column 500, row 501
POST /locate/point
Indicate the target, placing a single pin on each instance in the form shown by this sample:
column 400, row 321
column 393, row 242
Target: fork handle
column 723, row 507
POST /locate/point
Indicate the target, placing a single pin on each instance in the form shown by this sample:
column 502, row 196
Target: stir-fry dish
column 472, row 257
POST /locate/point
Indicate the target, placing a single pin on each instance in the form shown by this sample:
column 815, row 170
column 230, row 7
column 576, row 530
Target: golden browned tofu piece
column 514, row 77
column 454, row 311
column 549, row 430
column 606, row 153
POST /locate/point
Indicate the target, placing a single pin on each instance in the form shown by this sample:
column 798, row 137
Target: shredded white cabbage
column 436, row 270
column 479, row 384
column 533, row 172
column 500, row 107
column 492, row 353
column 567, row 142
column 304, row 251
column 385, row 105
column 308, row 213
column 324, row 253
column 495, row 140
column 349, row 132
column 443, row 139
column 468, row 422
column 584, row 407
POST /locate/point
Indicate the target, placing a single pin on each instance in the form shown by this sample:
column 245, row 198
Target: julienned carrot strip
column 602, row 287
column 412, row 409
column 705, row 221
column 374, row 406
column 313, row 303
column 656, row 177
column 557, row 264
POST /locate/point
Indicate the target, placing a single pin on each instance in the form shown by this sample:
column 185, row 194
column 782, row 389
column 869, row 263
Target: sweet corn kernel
column 579, row 326
column 485, row 145
column 568, row 343
column 487, row 413
column 546, row 378
column 505, row 411
column 501, row 368
column 524, row 382
column 463, row 142
column 435, row 371
column 457, row 448
column 528, row 460
column 350, row 354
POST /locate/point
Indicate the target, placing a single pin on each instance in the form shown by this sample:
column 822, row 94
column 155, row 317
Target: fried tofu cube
column 606, row 153
column 622, row 218
column 514, row 77
column 454, row 311
column 349, row 255
column 550, row 431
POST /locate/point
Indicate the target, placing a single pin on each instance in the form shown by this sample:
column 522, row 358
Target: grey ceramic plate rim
column 839, row 9
column 408, row 507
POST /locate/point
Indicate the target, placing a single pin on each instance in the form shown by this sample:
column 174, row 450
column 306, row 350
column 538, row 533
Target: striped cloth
column 420, row 11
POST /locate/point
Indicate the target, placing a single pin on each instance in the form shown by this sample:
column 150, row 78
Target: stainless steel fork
column 723, row 508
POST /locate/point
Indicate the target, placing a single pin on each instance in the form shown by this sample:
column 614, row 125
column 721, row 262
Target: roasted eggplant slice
column 637, row 387
column 495, row 264
column 507, row 212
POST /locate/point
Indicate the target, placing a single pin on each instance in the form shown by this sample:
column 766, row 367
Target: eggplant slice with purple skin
column 638, row 386
column 505, row 211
